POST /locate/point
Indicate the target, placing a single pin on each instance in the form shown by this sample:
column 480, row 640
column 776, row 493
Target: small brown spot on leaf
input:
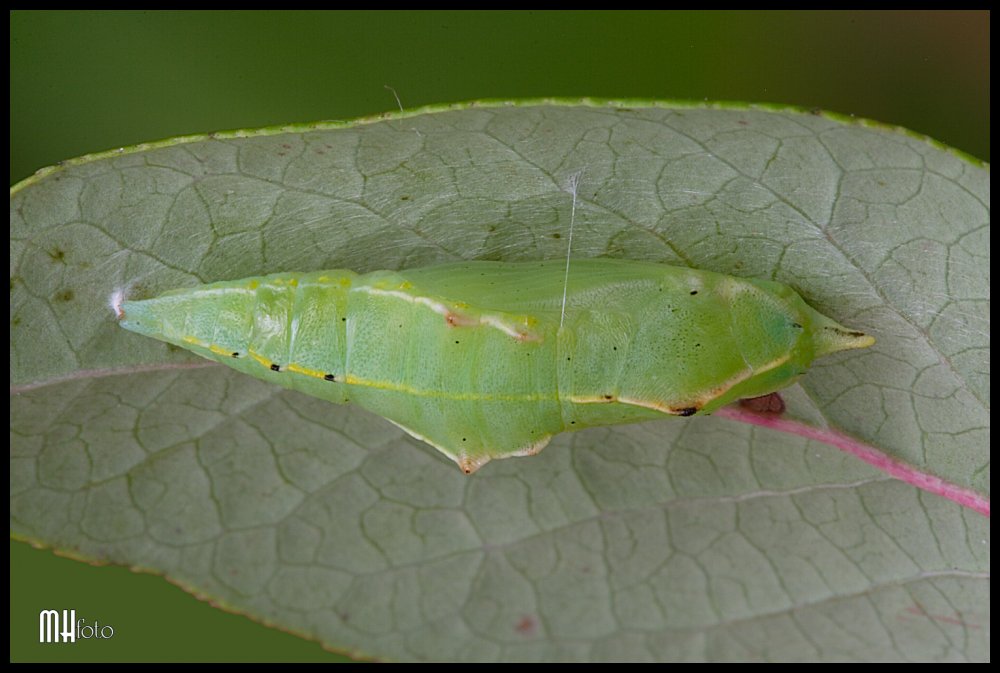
column 58, row 255
column 65, row 295
column 527, row 625
column 765, row 404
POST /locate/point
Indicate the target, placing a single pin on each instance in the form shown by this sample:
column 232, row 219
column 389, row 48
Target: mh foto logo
column 65, row 628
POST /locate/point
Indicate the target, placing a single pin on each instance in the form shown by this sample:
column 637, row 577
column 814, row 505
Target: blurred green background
column 82, row 82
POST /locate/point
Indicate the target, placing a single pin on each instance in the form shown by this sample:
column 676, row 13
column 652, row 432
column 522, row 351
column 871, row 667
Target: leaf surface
column 682, row 539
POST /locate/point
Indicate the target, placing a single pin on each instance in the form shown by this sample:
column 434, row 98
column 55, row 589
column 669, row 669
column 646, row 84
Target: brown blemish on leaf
column 526, row 626
column 765, row 404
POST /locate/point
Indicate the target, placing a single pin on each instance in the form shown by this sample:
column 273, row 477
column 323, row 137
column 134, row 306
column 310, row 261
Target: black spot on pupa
column 329, row 377
column 687, row 411
column 343, row 320
column 275, row 367
column 608, row 397
column 235, row 354
column 694, row 292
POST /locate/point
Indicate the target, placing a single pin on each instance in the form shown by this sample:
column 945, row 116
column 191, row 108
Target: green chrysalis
column 487, row 360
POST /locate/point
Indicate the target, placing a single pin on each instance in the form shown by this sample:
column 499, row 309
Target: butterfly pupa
column 478, row 359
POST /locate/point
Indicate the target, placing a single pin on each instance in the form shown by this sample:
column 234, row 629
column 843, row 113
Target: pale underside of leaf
column 693, row 539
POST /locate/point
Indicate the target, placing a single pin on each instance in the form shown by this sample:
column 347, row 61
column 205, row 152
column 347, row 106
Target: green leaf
column 694, row 539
